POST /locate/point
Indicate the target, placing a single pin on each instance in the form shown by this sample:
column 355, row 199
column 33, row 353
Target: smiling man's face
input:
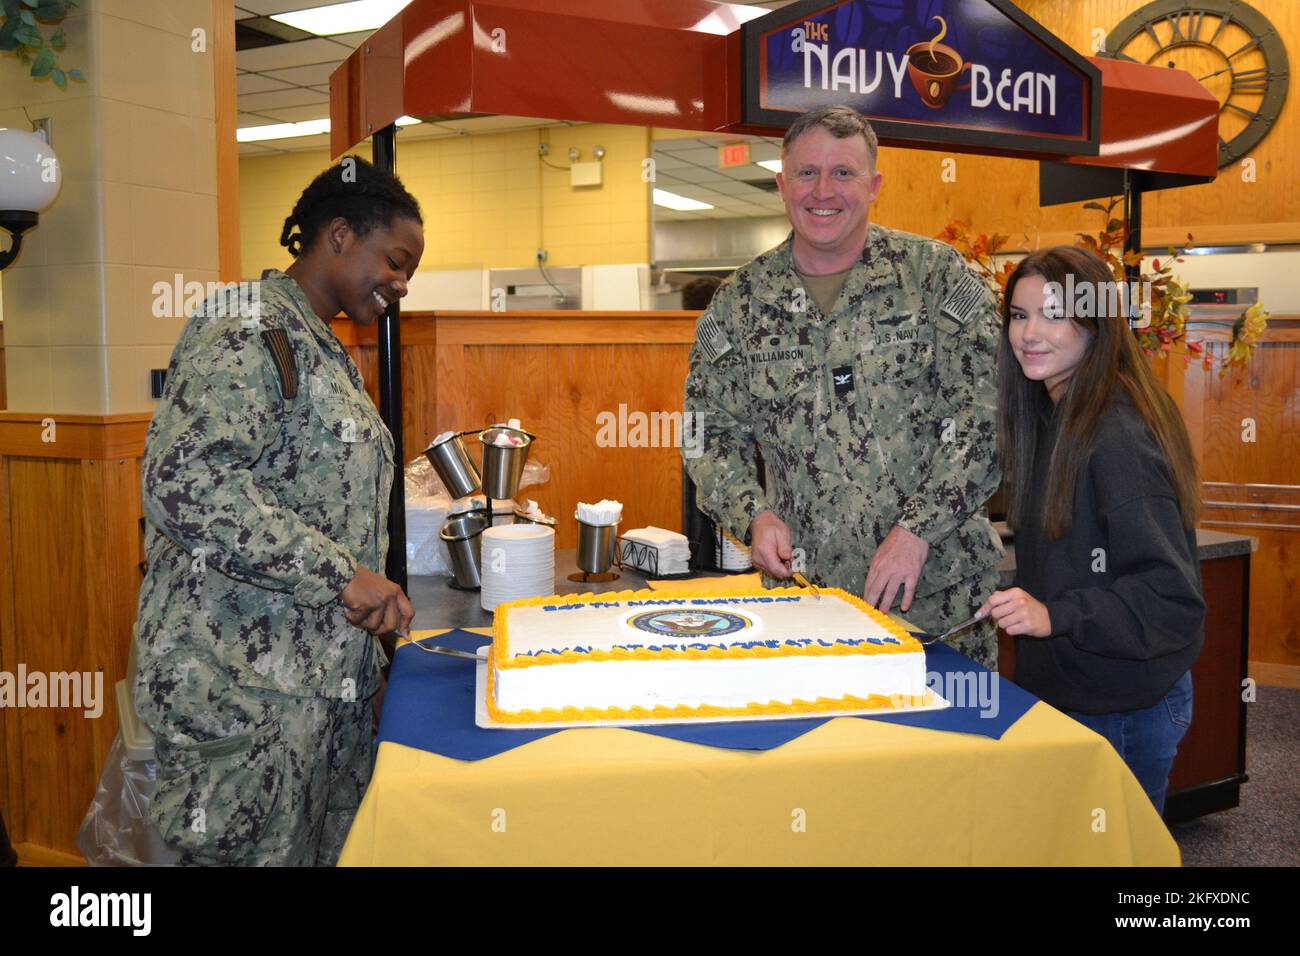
column 828, row 186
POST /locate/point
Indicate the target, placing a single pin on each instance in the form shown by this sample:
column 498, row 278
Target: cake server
column 803, row 582
column 440, row 649
column 953, row 630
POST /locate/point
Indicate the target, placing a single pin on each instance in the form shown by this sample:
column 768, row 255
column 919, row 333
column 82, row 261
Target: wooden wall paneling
column 48, row 498
column 1253, row 487
column 1000, row 195
column 646, row 381
column 11, row 781
column 114, row 554
column 1210, row 749
column 513, row 381
column 419, row 398
column 450, row 400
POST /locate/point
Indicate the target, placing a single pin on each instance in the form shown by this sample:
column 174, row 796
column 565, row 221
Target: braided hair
column 354, row 189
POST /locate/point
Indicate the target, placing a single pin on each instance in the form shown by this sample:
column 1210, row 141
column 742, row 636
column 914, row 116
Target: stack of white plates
column 518, row 561
column 732, row 555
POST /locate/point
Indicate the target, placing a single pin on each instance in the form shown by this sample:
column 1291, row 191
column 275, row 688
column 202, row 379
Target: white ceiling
column 689, row 167
column 289, row 83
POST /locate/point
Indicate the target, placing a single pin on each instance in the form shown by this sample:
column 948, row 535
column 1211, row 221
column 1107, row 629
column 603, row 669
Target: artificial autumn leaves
column 1169, row 295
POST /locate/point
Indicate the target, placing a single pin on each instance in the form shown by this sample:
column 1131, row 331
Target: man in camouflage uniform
column 862, row 361
column 266, row 481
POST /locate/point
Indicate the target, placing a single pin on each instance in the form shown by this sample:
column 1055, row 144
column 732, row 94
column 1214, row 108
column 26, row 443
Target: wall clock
column 1230, row 47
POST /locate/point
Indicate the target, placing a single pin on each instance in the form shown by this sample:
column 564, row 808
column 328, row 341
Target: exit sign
column 737, row 154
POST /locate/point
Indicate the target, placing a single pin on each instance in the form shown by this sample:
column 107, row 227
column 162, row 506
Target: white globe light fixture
column 29, row 181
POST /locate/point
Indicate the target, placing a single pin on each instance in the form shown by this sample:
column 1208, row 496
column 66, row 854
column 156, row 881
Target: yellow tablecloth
column 851, row 792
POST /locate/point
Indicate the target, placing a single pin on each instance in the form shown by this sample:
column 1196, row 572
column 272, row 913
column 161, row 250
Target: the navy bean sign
column 975, row 73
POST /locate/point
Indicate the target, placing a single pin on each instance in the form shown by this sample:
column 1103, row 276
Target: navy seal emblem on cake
column 690, row 623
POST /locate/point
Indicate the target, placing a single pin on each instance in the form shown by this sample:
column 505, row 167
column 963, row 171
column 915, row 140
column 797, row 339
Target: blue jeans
column 1148, row 739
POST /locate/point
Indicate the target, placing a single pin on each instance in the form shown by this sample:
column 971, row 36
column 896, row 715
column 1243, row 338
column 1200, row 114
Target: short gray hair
column 840, row 121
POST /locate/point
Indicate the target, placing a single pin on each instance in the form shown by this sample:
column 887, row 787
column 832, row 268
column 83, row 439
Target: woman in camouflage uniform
column 266, row 480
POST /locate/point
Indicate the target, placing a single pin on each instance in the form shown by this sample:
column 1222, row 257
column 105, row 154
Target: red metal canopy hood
column 674, row 63
column 644, row 63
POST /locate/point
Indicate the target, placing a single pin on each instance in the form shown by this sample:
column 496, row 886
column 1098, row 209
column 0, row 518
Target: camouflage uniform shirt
column 259, row 506
column 878, row 414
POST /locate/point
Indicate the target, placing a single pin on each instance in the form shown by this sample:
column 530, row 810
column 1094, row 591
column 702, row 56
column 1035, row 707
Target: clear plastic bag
column 425, row 551
column 117, row 830
column 423, row 482
column 428, row 505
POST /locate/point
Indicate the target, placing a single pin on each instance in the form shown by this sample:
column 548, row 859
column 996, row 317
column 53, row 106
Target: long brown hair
column 1111, row 362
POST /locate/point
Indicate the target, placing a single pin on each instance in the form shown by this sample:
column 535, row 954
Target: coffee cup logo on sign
column 936, row 68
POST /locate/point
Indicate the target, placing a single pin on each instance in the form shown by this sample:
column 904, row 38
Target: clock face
column 1231, row 49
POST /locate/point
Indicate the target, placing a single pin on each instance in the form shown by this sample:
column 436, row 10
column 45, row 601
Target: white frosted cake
column 669, row 655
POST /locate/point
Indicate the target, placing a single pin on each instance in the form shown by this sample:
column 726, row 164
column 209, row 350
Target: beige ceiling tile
column 257, row 83
column 297, row 114
column 281, row 56
column 279, row 99
column 318, row 74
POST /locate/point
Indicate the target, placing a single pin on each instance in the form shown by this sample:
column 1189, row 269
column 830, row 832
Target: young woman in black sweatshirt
column 1106, row 607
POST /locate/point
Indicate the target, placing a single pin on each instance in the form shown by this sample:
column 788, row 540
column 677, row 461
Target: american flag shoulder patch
column 968, row 295
column 710, row 338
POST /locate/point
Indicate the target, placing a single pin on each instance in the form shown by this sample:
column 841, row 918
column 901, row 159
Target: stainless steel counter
column 438, row 604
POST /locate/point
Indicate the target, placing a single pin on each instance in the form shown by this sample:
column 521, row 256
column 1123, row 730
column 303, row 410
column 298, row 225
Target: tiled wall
column 488, row 201
column 137, row 206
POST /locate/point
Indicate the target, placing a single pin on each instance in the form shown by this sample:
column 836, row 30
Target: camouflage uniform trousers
column 284, row 794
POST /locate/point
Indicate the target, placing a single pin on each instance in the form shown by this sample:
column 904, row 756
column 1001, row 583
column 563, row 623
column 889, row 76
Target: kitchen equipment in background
column 451, row 460
column 597, row 531
column 505, row 452
column 463, row 536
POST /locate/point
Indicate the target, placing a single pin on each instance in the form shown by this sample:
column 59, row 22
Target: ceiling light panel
column 340, row 18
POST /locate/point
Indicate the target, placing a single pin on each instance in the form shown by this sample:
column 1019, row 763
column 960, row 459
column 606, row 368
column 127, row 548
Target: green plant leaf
column 60, row 78
column 57, row 39
column 44, row 62
column 77, row 75
column 28, row 17
column 28, row 36
column 10, row 8
column 7, row 30
column 50, row 11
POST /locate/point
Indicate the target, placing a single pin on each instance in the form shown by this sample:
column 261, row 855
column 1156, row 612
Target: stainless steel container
column 521, row 517
column 451, row 460
column 596, row 546
column 463, row 535
column 503, row 465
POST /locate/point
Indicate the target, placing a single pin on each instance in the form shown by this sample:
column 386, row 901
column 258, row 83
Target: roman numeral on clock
column 1243, row 48
column 1250, row 81
column 1222, row 26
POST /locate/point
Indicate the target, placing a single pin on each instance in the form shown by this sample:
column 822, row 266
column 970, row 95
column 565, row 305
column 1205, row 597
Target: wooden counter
column 602, row 391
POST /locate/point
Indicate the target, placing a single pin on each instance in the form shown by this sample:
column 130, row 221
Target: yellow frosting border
column 500, row 655
column 574, row 715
